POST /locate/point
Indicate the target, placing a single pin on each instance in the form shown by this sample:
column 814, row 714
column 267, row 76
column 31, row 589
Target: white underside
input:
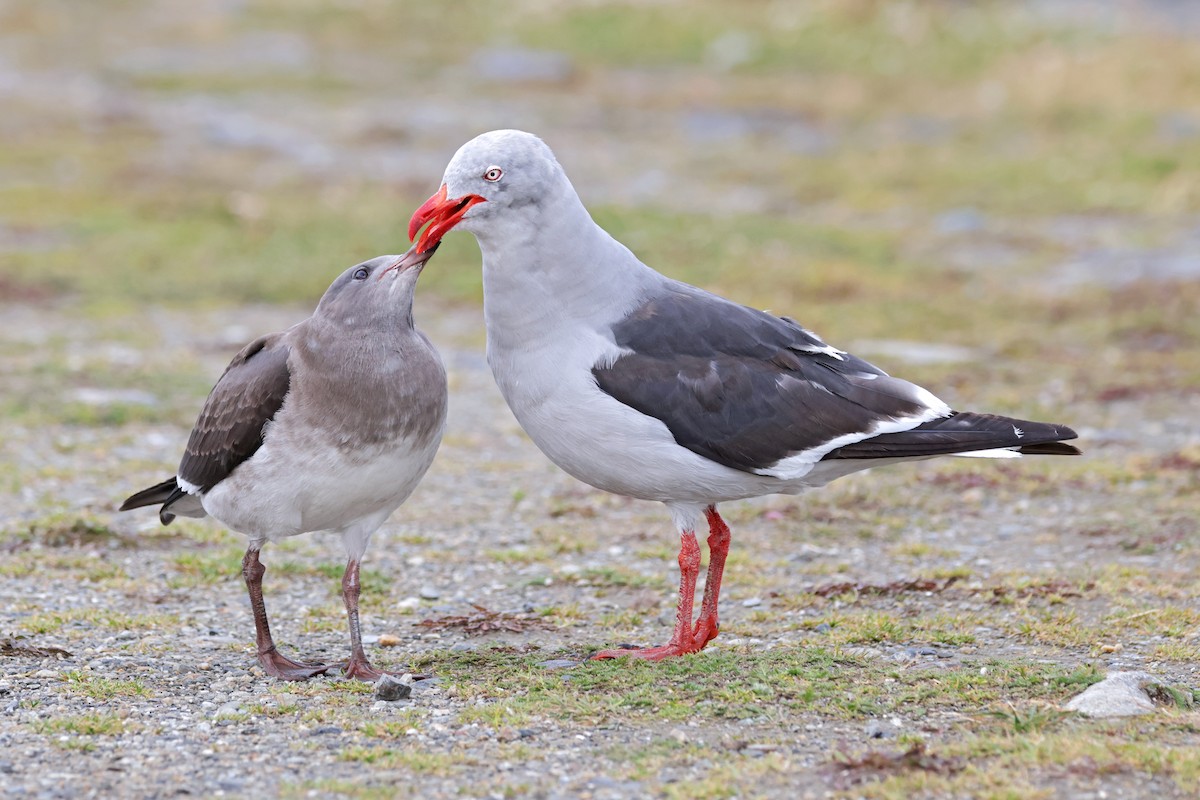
column 272, row 496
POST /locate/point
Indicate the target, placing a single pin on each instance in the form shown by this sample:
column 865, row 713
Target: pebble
column 389, row 689
column 752, row 602
column 389, row 640
column 429, row 593
column 878, row 729
column 558, row 663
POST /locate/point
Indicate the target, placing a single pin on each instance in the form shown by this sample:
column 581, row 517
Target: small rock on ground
column 389, row 689
column 1119, row 695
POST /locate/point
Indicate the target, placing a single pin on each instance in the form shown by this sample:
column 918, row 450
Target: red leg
column 358, row 666
column 270, row 659
column 682, row 640
column 707, row 626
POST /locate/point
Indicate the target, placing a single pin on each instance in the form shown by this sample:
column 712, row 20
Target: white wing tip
column 999, row 452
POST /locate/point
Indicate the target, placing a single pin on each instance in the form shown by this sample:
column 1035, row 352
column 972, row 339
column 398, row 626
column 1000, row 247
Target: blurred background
column 998, row 198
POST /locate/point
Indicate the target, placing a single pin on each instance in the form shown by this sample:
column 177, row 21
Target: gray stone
column 429, row 593
column 389, row 689
column 1119, row 695
column 558, row 663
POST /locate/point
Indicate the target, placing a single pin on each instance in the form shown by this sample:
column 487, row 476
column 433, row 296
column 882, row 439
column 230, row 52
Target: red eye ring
column 493, row 174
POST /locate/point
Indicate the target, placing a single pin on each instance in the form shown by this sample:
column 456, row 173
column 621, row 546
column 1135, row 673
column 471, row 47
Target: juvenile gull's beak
column 444, row 213
column 413, row 259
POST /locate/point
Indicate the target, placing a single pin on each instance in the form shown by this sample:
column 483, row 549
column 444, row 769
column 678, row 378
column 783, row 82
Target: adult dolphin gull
column 650, row 388
column 329, row 425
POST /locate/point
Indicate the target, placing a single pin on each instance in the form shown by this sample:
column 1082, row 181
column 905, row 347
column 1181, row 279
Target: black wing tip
column 151, row 496
column 1054, row 444
column 963, row 433
column 162, row 494
column 1050, row 449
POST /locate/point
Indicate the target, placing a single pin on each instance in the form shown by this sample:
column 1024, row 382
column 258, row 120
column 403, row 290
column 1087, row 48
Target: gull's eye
column 361, row 274
column 493, row 174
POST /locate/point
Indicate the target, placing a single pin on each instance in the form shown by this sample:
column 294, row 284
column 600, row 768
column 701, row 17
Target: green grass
column 735, row 684
column 195, row 568
column 96, row 724
column 102, row 688
column 77, row 620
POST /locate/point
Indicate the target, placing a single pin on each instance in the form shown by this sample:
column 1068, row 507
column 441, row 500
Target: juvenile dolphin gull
column 647, row 387
column 329, row 425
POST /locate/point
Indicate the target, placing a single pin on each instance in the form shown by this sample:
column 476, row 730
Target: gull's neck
column 551, row 270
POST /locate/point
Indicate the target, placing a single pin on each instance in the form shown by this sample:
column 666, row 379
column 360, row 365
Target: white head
column 501, row 175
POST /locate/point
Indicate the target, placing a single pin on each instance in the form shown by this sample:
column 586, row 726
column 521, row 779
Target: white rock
column 1119, row 695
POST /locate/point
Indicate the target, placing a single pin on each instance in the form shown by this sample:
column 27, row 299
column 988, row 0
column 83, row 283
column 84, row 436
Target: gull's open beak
column 413, row 259
column 443, row 213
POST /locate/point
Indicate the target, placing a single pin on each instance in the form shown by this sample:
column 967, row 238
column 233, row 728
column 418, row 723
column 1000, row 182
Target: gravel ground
column 159, row 695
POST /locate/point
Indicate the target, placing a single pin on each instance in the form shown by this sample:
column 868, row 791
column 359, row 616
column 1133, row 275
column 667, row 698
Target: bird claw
column 362, row 670
column 280, row 666
column 651, row 653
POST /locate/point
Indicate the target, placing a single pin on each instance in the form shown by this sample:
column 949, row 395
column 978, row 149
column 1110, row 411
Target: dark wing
column 745, row 388
column 230, row 427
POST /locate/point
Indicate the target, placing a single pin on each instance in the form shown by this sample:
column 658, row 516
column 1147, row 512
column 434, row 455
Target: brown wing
column 230, row 427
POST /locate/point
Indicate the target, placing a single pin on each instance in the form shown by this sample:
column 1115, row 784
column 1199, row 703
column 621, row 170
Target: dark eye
column 361, row 274
column 493, row 174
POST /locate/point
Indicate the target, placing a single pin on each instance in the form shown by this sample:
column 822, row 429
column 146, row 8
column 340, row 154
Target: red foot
column 692, row 645
column 647, row 653
column 706, row 629
column 279, row 666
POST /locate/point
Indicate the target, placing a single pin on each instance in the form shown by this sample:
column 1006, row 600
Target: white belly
column 271, row 497
column 611, row 446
